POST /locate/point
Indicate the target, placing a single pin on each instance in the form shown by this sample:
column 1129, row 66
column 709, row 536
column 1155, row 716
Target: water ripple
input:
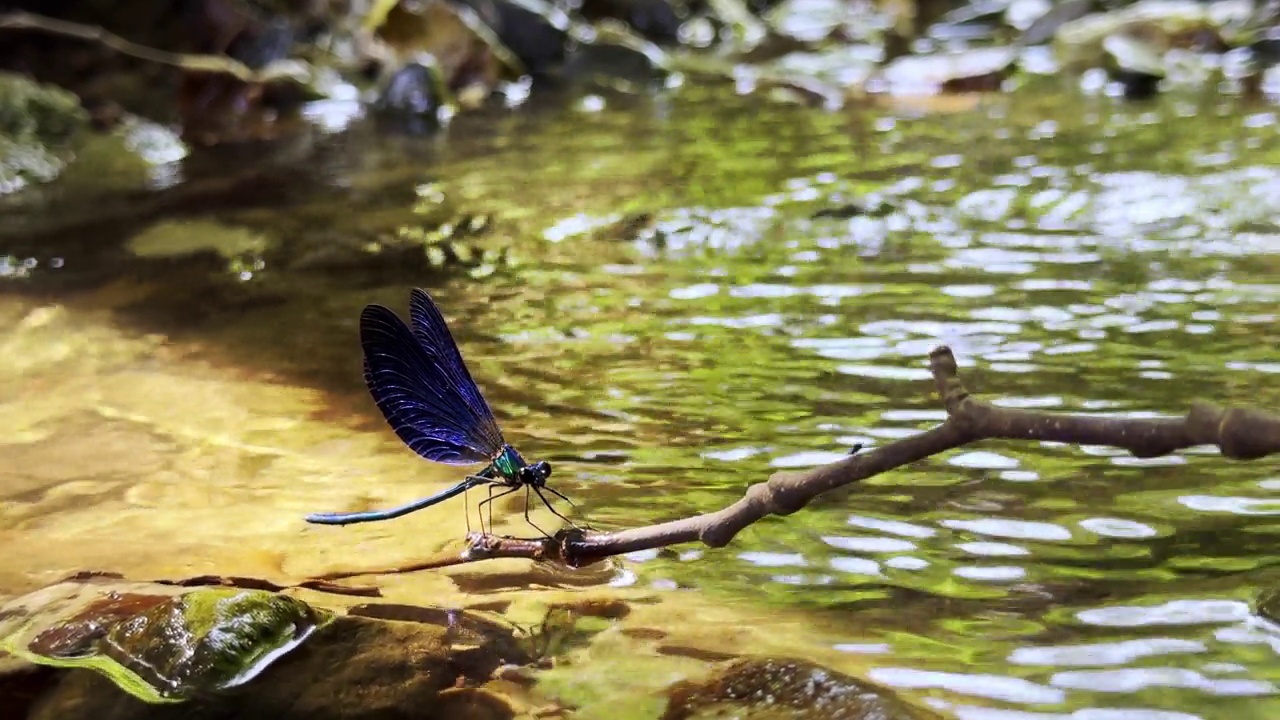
column 1115, row 653
column 1234, row 505
column 1174, row 612
column 868, row 544
column 893, row 527
column 1129, row 680
column 994, row 687
column 1020, row 529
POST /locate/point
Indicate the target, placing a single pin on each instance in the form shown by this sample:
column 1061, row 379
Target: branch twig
column 279, row 70
column 1239, row 433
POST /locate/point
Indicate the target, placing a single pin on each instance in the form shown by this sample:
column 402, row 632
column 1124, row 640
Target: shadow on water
column 703, row 291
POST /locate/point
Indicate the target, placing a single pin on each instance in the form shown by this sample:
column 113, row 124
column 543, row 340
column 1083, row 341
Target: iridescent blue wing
column 433, row 335
column 421, row 386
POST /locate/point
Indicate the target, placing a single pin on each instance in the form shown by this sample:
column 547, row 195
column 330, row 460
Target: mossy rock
column 37, row 124
column 157, row 646
column 109, row 649
column 42, row 114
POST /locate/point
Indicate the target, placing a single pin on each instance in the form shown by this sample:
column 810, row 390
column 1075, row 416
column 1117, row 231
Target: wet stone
column 157, row 646
column 755, row 689
column 75, row 637
column 413, row 89
column 534, row 40
column 215, row 638
column 653, row 19
column 214, row 653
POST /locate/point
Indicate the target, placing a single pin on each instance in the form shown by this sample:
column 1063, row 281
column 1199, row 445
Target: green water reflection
column 1077, row 254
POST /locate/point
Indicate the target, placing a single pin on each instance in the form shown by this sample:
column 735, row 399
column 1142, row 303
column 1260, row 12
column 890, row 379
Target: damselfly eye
column 538, row 472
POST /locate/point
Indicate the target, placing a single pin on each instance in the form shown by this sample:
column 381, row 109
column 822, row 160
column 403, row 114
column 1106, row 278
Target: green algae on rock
column 45, row 113
column 162, row 648
column 356, row 667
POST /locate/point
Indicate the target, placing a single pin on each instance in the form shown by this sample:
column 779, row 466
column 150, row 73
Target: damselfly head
column 536, row 474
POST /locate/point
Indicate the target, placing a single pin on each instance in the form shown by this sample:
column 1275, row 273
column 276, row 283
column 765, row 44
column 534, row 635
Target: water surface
column 170, row 417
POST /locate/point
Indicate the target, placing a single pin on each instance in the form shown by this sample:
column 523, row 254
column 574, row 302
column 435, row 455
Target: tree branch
column 1239, row 433
column 279, row 70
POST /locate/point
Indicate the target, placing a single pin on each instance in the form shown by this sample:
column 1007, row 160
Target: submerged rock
column 230, row 653
column 655, row 20
column 528, row 30
column 755, row 689
column 415, row 89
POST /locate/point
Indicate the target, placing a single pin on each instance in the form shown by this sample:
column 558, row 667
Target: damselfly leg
column 466, row 512
column 555, row 512
column 477, row 480
column 489, row 501
column 526, row 510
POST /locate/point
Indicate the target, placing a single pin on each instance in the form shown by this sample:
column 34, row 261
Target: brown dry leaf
column 467, row 53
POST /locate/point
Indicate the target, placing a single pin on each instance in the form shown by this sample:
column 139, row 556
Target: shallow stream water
column 168, row 417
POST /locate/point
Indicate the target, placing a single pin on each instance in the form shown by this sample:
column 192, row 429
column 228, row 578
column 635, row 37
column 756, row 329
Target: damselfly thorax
column 510, row 469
